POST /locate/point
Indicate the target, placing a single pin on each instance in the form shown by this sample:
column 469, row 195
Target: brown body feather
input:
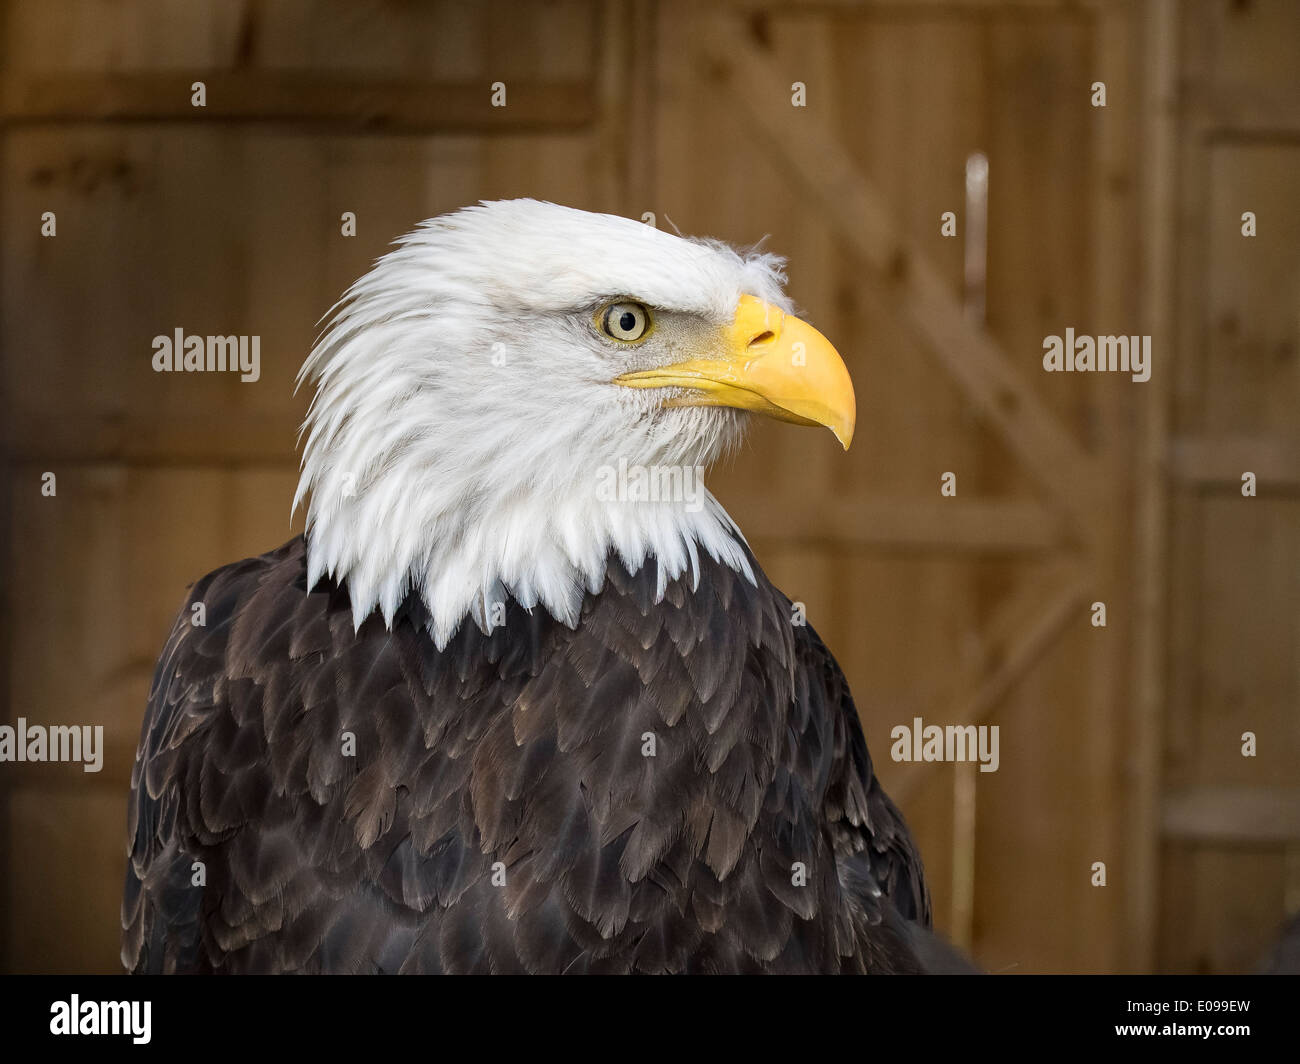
column 498, row 814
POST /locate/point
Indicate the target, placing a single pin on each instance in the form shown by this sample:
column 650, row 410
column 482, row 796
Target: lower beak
column 772, row 363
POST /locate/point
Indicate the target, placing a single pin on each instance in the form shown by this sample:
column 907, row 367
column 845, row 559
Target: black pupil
column 627, row 321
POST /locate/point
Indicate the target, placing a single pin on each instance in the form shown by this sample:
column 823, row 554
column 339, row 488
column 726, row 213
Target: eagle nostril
column 763, row 338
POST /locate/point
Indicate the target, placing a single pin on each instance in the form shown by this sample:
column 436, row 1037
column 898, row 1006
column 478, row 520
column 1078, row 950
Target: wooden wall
column 226, row 220
column 1230, row 825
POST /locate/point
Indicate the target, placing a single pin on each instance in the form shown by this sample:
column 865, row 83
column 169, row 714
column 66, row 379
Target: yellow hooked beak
column 771, row 363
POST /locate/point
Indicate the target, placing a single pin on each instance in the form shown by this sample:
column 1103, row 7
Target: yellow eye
column 625, row 322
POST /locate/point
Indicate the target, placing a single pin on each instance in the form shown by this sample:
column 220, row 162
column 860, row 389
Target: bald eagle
column 521, row 698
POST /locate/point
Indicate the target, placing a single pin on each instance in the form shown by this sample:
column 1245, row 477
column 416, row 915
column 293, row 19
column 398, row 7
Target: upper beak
column 771, row 363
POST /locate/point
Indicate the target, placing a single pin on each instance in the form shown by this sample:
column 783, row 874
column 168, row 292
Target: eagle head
column 482, row 393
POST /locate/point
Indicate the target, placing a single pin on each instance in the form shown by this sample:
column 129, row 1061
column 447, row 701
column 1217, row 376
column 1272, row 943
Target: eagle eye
column 625, row 322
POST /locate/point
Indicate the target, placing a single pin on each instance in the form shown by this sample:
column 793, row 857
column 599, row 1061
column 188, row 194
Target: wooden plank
column 1202, row 461
column 828, row 174
column 1011, row 527
column 1246, row 572
column 1178, row 908
column 639, row 189
column 1142, row 758
column 1248, row 321
column 212, row 436
column 910, row 130
column 1196, row 46
column 624, row 179
column 1244, row 113
column 265, row 97
column 1111, row 414
column 1043, row 815
column 1247, row 815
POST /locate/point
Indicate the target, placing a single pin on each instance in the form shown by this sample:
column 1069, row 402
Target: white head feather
column 464, row 405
